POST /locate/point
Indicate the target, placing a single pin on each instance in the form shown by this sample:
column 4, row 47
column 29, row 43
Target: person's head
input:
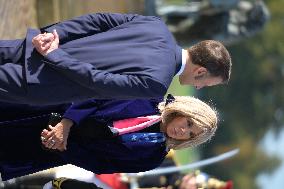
column 187, row 122
column 208, row 63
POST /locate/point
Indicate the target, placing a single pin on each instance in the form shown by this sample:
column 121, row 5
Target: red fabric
column 135, row 124
column 112, row 180
column 125, row 123
column 229, row 185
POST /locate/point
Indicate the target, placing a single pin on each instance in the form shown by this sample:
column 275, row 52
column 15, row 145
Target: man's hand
column 46, row 43
column 56, row 137
column 188, row 182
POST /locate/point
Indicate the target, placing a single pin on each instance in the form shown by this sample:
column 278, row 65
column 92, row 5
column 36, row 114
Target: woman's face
column 182, row 129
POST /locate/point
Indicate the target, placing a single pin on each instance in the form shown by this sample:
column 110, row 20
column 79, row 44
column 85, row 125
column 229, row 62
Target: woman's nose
column 183, row 130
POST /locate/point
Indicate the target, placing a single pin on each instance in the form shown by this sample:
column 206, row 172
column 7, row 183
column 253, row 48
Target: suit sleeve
column 103, row 83
column 112, row 109
column 109, row 109
column 79, row 111
column 86, row 25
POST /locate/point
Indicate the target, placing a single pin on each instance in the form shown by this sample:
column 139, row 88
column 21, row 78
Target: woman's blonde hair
column 197, row 112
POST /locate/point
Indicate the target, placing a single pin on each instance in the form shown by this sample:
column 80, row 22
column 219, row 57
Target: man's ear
column 201, row 71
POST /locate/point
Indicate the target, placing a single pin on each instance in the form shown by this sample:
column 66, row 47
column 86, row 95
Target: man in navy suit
column 104, row 56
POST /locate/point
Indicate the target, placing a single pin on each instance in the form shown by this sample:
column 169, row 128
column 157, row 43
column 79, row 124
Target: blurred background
column 250, row 106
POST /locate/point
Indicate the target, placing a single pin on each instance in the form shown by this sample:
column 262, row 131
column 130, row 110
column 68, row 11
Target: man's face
column 199, row 78
column 206, row 81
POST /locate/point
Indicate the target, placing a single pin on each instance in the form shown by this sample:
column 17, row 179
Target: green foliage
column 251, row 104
column 177, row 90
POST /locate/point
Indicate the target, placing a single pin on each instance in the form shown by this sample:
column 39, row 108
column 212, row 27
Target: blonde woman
column 104, row 136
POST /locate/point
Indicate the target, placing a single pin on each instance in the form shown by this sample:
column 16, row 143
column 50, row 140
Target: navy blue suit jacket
column 20, row 140
column 103, row 56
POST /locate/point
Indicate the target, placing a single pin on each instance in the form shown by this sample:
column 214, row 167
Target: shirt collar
column 183, row 62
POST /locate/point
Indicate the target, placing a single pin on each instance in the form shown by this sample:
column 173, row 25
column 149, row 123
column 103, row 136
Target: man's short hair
column 213, row 56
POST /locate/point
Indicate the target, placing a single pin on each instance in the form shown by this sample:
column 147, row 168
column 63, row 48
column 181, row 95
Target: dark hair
column 213, row 56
